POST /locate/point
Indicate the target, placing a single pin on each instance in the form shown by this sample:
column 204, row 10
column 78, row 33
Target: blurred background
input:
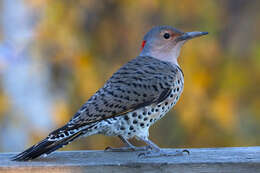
column 55, row 54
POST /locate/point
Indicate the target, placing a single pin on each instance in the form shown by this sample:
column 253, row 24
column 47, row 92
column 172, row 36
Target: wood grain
column 230, row 160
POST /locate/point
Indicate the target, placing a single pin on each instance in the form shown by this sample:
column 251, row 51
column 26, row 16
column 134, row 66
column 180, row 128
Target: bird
column 136, row 96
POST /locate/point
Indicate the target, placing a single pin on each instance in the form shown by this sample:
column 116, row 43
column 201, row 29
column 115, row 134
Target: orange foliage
column 92, row 39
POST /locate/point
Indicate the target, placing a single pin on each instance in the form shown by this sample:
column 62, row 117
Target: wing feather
column 141, row 82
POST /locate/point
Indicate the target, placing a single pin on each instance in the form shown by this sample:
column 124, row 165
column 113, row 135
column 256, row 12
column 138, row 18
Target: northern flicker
column 136, row 96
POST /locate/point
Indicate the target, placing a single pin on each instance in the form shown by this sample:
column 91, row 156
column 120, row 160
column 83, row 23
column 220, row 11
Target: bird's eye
column 166, row 35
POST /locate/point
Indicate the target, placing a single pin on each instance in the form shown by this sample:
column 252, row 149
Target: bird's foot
column 162, row 153
column 128, row 148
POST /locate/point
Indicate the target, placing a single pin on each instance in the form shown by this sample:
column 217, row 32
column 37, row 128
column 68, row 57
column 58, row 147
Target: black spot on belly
column 122, row 128
column 135, row 121
column 145, row 119
column 131, row 128
column 134, row 114
column 151, row 120
column 126, row 118
column 142, row 124
column 139, row 117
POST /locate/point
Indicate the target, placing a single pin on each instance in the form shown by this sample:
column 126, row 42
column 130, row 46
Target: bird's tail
column 54, row 141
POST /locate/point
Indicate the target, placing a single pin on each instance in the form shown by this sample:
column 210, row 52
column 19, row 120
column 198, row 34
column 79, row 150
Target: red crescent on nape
column 143, row 44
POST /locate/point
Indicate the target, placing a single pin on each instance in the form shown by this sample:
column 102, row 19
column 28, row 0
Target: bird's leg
column 128, row 147
column 158, row 152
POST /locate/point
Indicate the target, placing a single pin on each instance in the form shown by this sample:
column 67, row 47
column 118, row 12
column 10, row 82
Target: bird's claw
column 186, row 151
column 108, row 148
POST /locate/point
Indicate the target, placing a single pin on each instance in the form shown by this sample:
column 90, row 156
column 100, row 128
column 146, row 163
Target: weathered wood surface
column 229, row 160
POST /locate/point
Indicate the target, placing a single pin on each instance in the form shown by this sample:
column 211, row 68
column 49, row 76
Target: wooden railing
column 231, row 160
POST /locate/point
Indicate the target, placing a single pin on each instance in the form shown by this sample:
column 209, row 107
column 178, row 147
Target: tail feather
column 47, row 146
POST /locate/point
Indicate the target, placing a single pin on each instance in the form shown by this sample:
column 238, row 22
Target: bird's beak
column 190, row 35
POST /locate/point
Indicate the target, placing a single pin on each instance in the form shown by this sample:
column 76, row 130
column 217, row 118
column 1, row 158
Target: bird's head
column 165, row 42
